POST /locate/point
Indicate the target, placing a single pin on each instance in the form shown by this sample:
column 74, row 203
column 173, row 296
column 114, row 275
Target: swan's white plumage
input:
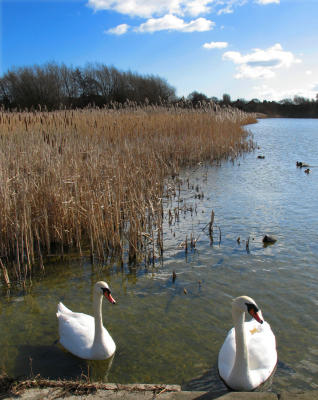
column 77, row 334
column 262, row 355
column 76, row 331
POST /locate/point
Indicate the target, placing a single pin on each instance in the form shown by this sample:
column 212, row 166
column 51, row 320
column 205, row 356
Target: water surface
column 172, row 332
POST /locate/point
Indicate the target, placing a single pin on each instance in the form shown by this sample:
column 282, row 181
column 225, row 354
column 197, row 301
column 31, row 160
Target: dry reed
column 81, row 387
column 95, row 179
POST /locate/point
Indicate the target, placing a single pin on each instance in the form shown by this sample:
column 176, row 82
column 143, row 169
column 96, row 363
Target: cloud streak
column 261, row 63
column 118, row 30
column 181, row 8
column 265, row 2
column 168, row 22
column 215, row 45
column 172, row 23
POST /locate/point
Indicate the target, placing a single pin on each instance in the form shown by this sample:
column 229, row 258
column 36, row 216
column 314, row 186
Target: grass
column 95, row 179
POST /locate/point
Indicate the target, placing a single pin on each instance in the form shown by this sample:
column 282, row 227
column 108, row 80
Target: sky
column 264, row 49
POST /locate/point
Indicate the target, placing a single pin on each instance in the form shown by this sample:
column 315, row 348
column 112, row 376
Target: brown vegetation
column 82, row 387
column 95, row 179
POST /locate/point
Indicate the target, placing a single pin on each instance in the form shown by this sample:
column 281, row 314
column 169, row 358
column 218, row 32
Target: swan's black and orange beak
column 255, row 315
column 253, row 311
column 108, row 296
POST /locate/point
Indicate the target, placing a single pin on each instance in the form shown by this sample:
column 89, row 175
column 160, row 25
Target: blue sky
column 265, row 49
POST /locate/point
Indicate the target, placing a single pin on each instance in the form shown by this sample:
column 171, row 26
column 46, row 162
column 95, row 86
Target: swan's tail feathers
column 61, row 309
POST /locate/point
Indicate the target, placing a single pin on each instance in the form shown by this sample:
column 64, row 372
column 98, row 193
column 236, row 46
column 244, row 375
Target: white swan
column 83, row 335
column 248, row 356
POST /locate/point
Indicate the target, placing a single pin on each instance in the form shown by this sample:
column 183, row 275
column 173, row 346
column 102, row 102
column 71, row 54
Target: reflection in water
column 209, row 381
column 55, row 362
column 169, row 331
column 98, row 370
column 48, row 361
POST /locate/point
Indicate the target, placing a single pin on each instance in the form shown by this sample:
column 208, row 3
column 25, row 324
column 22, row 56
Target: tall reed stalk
column 94, row 179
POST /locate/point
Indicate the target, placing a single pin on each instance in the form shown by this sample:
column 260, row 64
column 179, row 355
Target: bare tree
column 53, row 86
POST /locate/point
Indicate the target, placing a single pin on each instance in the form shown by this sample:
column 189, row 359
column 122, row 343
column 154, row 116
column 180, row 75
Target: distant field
column 94, row 179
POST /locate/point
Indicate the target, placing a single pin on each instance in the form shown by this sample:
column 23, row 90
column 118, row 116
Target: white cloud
column 227, row 7
column 308, row 72
column 226, row 10
column 261, row 63
column 159, row 8
column 215, row 45
column 173, row 23
column 118, row 30
column 265, row 2
column 197, row 7
column 140, row 8
column 264, row 92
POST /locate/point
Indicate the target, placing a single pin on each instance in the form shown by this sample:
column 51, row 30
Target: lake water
column 171, row 332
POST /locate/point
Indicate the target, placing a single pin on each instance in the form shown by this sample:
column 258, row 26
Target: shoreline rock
column 31, row 390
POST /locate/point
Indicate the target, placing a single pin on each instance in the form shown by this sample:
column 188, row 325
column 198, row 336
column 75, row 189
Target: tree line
column 297, row 107
column 54, row 86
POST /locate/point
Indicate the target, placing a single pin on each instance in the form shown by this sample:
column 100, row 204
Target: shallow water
column 172, row 332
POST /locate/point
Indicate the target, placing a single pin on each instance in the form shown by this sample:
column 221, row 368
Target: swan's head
column 247, row 304
column 102, row 289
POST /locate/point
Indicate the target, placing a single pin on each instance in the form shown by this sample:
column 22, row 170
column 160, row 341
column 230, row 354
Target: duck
column 83, row 335
column 269, row 239
column 248, row 356
column 301, row 164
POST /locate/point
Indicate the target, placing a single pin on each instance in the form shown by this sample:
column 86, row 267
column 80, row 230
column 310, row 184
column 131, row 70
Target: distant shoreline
column 263, row 116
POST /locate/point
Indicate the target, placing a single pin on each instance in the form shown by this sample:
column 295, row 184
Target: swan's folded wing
column 227, row 355
column 76, row 332
column 61, row 309
column 73, row 317
column 262, row 350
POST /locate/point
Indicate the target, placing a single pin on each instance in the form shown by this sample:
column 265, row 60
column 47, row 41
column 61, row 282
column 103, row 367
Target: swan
column 248, row 356
column 83, row 335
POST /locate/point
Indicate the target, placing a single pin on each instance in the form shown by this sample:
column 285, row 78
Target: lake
column 171, row 332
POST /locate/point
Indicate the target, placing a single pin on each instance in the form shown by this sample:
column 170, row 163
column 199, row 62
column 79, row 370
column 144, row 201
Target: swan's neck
column 97, row 304
column 240, row 372
column 103, row 345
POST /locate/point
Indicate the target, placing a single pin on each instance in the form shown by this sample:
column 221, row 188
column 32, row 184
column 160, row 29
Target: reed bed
column 94, row 179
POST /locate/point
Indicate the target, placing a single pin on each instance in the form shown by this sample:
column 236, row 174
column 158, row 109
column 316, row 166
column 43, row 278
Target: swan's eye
column 105, row 290
column 251, row 308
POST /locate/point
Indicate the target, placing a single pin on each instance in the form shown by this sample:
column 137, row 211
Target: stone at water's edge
column 301, row 395
column 53, row 393
column 249, row 396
